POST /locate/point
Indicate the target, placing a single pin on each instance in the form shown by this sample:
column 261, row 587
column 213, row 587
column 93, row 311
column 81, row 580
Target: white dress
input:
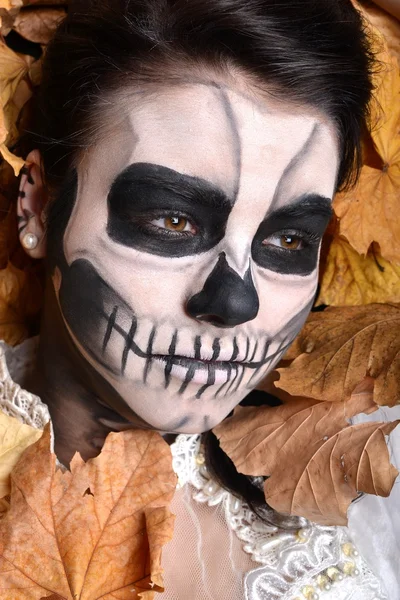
column 222, row 551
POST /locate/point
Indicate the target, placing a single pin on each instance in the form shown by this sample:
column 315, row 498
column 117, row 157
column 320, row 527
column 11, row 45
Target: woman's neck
column 83, row 407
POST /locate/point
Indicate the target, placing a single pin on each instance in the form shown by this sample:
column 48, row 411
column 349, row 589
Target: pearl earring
column 30, row 241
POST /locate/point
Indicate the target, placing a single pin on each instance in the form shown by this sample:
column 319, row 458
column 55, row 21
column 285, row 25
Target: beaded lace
column 311, row 563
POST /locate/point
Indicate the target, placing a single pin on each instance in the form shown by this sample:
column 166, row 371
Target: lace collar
column 311, row 563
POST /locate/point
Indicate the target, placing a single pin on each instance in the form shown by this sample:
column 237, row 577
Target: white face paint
column 185, row 287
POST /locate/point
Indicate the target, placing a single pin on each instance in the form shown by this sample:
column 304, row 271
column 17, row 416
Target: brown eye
column 290, row 241
column 175, row 223
column 286, row 241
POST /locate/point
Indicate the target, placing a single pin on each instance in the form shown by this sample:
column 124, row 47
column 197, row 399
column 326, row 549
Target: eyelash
column 308, row 238
column 144, row 225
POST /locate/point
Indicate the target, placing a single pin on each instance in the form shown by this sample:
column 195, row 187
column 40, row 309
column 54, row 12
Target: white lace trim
column 313, row 562
column 18, row 403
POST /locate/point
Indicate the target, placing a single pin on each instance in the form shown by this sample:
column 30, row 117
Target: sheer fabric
column 222, row 551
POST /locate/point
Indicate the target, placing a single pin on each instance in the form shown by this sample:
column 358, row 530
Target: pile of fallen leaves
column 97, row 531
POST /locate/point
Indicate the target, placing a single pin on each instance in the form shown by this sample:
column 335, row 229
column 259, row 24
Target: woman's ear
column 32, row 200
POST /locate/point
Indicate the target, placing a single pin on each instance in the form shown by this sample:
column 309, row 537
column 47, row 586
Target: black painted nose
column 226, row 299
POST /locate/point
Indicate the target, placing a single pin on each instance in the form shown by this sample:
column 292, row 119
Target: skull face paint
column 191, row 254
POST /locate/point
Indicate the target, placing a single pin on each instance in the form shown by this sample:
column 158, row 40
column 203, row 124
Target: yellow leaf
column 387, row 24
column 15, row 437
column 315, row 461
column 350, row 279
column 386, row 121
column 10, row 4
column 367, row 213
column 94, row 532
column 12, row 69
column 339, row 348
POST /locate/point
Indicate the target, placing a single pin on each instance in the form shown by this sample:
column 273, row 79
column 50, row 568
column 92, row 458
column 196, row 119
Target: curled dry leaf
column 95, row 532
column 315, row 461
column 339, row 348
column 15, row 437
column 350, row 279
column 39, row 25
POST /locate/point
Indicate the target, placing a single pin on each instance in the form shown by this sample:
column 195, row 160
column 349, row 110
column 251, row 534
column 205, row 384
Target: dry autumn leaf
column 387, row 24
column 339, row 348
column 368, row 213
column 12, row 69
column 15, row 437
column 315, row 461
column 350, row 279
column 95, row 532
column 20, row 298
column 38, row 25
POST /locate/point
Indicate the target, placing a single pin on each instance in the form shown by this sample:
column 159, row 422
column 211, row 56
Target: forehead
column 234, row 140
column 261, row 150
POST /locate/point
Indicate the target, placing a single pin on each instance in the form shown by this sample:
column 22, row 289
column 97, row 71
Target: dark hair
column 308, row 51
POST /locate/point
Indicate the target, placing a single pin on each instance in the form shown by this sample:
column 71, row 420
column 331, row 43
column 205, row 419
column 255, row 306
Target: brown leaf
column 315, row 461
column 94, row 532
column 20, row 298
column 339, row 347
column 350, row 279
column 39, row 24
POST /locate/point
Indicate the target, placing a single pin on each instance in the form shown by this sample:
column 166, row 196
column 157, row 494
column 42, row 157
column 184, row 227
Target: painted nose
column 226, row 299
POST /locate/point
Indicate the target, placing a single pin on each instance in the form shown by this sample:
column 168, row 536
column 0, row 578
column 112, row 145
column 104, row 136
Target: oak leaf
column 95, row 532
column 15, row 437
column 349, row 279
column 316, row 463
column 339, row 348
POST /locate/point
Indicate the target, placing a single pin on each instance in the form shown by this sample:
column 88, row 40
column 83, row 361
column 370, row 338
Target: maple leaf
column 367, row 213
column 15, row 437
column 315, row 461
column 339, row 348
column 39, row 25
column 349, row 279
column 95, row 532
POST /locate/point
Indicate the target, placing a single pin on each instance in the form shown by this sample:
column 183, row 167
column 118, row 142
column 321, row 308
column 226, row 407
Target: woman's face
column 191, row 254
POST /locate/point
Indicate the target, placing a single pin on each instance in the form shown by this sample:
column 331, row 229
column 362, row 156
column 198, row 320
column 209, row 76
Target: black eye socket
column 157, row 210
column 288, row 240
column 302, row 259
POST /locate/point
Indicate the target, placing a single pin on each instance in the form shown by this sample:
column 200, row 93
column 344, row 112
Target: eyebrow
column 307, row 205
column 202, row 191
